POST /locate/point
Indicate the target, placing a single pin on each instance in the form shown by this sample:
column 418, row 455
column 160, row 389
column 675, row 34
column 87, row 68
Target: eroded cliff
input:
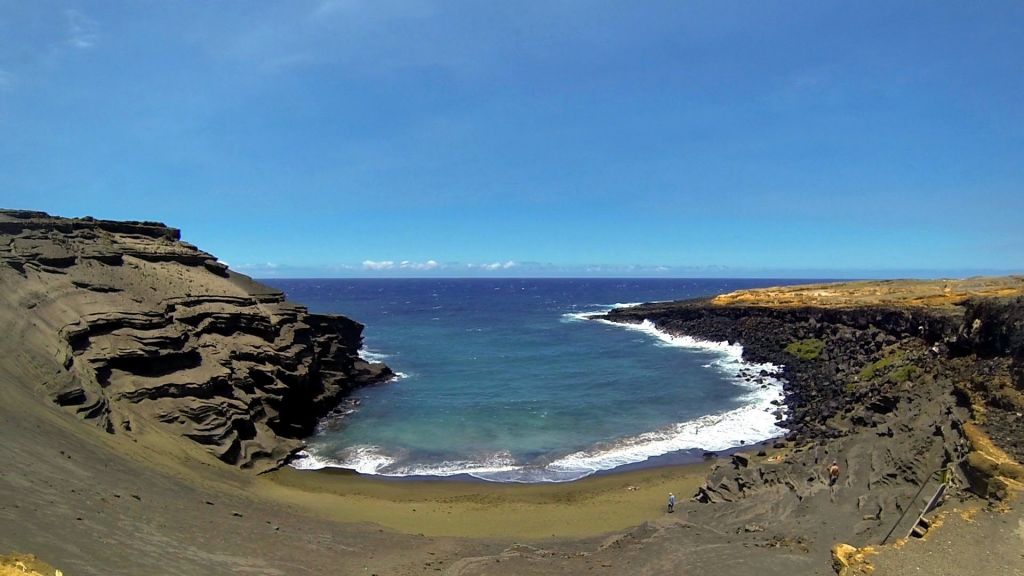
column 122, row 323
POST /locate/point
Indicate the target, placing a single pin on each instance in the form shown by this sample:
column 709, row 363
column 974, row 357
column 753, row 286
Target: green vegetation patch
column 806, row 349
column 868, row 372
column 903, row 373
column 895, row 365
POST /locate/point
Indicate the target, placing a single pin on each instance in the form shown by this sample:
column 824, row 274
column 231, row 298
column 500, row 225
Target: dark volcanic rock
column 886, row 390
column 143, row 328
column 866, row 353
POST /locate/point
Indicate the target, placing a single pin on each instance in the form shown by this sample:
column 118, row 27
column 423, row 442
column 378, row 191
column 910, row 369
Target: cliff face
column 854, row 359
column 124, row 324
column 891, row 391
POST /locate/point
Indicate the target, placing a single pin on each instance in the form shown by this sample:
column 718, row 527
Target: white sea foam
column 601, row 309
column 362, row 459
column 625, row 304
column 580, row 316
column 372, row 460
column 753, row 422
column 375, row 356
column 745, row 425
column 501, row 462
column 372, row 355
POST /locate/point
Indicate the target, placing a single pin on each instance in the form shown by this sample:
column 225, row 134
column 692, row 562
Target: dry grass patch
column 26, row 565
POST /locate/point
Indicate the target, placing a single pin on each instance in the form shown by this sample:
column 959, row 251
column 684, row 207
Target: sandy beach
column 585, row 508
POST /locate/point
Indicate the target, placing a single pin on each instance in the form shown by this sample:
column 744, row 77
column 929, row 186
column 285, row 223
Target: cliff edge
column 122, row 324
column 894, row 381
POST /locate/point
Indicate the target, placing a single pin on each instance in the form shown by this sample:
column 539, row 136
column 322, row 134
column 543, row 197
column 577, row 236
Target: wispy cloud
column 82, row 31
column 494, row 265
column 428, row 265
column 380, row 38
column 277, row 270
column 434, row 265
column 256, row 268
column 434, row 269
column 260, row 265
column 6, row 79
column 378, row 264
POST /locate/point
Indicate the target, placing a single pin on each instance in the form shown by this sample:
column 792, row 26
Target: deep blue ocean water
column 508, row 379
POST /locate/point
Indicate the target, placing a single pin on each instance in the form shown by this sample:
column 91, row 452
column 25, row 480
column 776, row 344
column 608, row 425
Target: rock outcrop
column 140, row 327
column 892, row 392
column 846, row 366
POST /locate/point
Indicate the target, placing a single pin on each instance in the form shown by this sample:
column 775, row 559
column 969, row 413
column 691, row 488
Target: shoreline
column 588, row 507
column 684, row 457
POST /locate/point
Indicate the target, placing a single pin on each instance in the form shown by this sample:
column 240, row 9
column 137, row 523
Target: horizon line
column 781, row 277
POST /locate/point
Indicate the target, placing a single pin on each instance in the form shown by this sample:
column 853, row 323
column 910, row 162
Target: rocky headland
column 897, row 381
column 853, row 353
column 126, row 326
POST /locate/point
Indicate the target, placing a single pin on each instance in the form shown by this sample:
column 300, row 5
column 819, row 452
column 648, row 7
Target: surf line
column 758, row 419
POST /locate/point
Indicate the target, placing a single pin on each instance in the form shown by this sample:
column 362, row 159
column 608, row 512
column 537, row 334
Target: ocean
column 512, row 380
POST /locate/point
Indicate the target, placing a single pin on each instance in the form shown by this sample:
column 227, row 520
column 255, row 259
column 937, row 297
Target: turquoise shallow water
column 509, row 380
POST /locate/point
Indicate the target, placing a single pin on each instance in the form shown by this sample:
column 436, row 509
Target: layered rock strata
column 131, row 325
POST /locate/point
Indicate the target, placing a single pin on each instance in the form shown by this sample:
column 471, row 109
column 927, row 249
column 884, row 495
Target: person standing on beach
column 671, row 502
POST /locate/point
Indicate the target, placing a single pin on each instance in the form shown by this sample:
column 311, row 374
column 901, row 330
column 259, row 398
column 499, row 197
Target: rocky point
column 136, row 327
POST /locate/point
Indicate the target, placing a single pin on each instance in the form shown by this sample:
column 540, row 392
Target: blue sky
column 347, row 137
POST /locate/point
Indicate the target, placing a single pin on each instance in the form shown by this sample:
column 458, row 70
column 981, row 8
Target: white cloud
column 402, row 265
column 258, row 269
column 253, row 265
column 494, row 265
column 82, row 30
column 378, row 264
column 6, row 79
column 428, row 265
